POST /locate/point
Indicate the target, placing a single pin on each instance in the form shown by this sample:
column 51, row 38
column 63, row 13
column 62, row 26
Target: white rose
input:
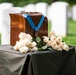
column 55, row 47
column 34, row 49
column 52, row 38
column 29, row 36
column 52, row 33
column 45, row 39
column 21, row 44
column 24, row 49
column 64, row 46
column 59, row 48
column 53, row 43
column 18, row 45
column 17, row 42
column 26, row 42
column 22, row 35
column 33, row 44
column 20, row 40
column 59, row 39
column 49, row 43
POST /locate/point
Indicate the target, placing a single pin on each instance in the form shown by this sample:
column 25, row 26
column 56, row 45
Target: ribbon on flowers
column 33, row 26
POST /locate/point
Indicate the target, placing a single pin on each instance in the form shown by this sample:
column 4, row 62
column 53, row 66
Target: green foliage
column 49, row 27
column 71, row 2
column 25, row 2
column 39, row 42
column 41, row 45
column 71, row 37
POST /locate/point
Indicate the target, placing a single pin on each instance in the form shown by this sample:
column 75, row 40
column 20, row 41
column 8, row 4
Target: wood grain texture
column 20, row 24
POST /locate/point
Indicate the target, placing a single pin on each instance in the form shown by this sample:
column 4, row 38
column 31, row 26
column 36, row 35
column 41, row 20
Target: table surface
column 13, row 62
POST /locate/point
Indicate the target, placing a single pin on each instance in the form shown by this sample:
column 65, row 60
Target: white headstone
column 3, row 6
column 6, row 23
column 59, row 18
column 49, row 12
column 29, row 8
column 74, row 13
column 69, row 13
column 41, row 7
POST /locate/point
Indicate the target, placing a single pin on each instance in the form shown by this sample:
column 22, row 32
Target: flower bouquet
column 28, row 43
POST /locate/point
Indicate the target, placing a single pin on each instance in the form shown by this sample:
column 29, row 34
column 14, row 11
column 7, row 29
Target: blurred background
column 25, row 2
column 61, row 16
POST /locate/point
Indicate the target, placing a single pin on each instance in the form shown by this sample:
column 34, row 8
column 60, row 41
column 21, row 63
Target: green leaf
column 44, row 47
column 50, row 49
column 38, row 39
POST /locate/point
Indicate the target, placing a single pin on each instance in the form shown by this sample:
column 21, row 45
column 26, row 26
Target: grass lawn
column 70, row 39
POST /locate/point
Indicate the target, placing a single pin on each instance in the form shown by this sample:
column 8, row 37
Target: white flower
column 29, row 36
column 59, row 39
column 45, row 39
column 20, row 40
column 22, row 35
column 59, row 44
column 18, row 45
column 33, row 44
column 64, row 46
column 54, row 44
column 34, row 49
column 52, row 33
column 24, row 49
column 49, row 43
column 26, row 41
column 59, row 48
column 52, row 38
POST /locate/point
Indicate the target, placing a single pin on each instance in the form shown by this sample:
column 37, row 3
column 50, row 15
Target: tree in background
column 25, row 2
column 71, row 2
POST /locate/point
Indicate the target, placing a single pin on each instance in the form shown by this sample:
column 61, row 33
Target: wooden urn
column 33, row 23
